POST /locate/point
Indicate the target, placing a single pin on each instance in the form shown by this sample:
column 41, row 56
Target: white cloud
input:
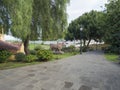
column 78, row 7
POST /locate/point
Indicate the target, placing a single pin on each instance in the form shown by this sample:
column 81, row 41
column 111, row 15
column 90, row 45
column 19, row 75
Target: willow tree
column 59, row 16
column 51, row 17
column 4, row 18
column 29, row 16
column 21, row 15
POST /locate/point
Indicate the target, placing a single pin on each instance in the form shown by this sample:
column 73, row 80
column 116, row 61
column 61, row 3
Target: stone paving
column 89, row 71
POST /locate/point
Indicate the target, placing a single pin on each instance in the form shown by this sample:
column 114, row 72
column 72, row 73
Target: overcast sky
column 78, row 7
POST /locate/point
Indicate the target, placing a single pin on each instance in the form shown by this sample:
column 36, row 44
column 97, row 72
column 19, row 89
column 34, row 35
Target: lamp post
column 81, row 40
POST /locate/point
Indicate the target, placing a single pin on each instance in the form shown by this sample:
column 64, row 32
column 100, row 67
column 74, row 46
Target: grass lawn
column 9, row 65
column 112, row 57
column 32, row 46
column 60, row 56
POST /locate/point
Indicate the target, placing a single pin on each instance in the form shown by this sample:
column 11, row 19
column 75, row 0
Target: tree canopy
column 91, row 23
column 51, row 17
column 30, row 18
column 113, row 25
column 102, row 25
column 20, row 14
column 47, row 20
column 4, row 18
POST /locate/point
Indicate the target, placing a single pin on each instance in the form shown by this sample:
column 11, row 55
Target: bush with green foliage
column 44, row 55
column 84, row 49
column 38, row 48
column 75, row 53
column 112, row 49
column 30, row 58
column 33, row 52
column 4, row 55
column 113, row 26
column 69, row 49
column 42, row 43
column 20, row 57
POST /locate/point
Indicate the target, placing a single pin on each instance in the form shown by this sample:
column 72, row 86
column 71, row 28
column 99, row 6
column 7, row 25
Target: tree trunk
column 26, row 43
column 88, row 43
column 84, row 42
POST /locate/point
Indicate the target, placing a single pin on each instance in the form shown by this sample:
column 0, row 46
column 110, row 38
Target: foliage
column 33, row 46
column 9, row 65
column 4, row 55
column 84, row 49
column 30, row 58
column 33, row 52
column 20, row 12
column 69, row 49
column 73, row 31
column 35, row 19
column 38, row 48
column 92, row 24
column 44, row 55
column 112, row 49
column 20, row 57
column 98, row 47
column 113, row 25
column 49, row 16
column 112, row 57
column 4, row 22
column 20, row 16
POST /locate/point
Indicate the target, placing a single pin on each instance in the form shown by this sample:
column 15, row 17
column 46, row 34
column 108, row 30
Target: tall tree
column 92, row 27
column 113, row 25
column 59, row 16
column 21, row 16
column 51, row 16
column 4, row 18
column 41, row 18
column 31, row 17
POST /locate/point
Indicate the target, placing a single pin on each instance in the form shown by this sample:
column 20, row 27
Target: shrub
column 74, row 53
column 44, row 55
column 33, row 52
column 38, row 48
column 20, row 57
column 30, row 58
column 42, row 43
column 112, row 49
column 84, row 49
column 90, row 49
column 69, row 49
column 72, row 47
column 4, row 55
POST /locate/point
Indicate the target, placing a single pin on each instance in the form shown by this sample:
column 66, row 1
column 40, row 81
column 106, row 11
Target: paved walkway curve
column 89, row 71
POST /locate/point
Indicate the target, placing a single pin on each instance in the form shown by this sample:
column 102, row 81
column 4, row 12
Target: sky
column 77, row 7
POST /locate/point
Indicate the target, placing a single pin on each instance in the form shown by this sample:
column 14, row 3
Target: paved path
column 89, row 71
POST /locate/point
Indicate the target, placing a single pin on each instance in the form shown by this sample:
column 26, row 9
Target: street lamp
column 81, row 40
